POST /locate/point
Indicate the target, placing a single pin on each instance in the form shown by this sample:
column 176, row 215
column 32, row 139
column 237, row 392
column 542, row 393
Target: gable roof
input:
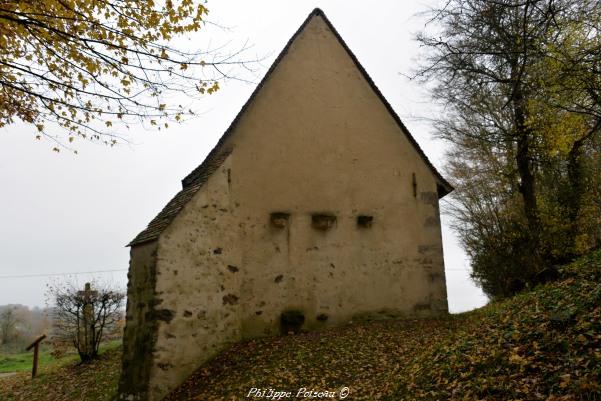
column 445, row 187
column 195, row 179
column 166, row 216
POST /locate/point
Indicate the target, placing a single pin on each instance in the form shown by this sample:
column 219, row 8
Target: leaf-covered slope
column 544, row 344
column 94, row 381
column 367, row 358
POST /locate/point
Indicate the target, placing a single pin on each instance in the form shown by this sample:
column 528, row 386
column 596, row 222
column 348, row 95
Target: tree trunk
column 527, row 183
column 524, row 164
column 576, row 190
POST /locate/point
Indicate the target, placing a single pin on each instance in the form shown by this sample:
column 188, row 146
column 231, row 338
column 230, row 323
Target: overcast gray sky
column 64, row 213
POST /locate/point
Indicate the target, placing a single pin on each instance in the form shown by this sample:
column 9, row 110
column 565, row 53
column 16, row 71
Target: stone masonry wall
column 197, row 282
column 141, row 323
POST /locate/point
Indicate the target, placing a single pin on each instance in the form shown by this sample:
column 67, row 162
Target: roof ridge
column 444, row 184
column 191, row 176
column 179, row 201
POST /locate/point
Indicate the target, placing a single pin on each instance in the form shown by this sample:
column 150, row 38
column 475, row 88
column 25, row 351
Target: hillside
column 66, row 380
column 544, row 344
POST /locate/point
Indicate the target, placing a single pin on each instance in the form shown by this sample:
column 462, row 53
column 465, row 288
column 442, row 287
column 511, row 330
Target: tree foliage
column 19, row 325
column 520, row 81
column 84, row 317
column 87, row 66
column 8, row 325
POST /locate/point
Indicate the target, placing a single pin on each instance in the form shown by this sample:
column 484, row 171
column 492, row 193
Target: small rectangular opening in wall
column 365, row 221
column 291, row 321
column 279, row 219
column 323, row 221
column 414, row 184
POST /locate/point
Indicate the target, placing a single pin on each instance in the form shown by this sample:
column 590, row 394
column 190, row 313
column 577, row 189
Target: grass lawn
column 22, row 362
column 66, row 380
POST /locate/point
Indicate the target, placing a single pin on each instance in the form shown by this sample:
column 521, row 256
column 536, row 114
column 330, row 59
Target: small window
column 323, row 221
column 364, row 221
column 279, row 219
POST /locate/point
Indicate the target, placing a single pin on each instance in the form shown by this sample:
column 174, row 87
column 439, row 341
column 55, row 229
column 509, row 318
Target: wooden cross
column 87, row 293
column 35, row 345
column 86, row 337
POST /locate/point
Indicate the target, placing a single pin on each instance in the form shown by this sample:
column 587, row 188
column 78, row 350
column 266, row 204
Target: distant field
column 65, row 379
column 22, row 362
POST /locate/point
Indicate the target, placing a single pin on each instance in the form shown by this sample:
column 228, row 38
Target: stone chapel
column 316, row 207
